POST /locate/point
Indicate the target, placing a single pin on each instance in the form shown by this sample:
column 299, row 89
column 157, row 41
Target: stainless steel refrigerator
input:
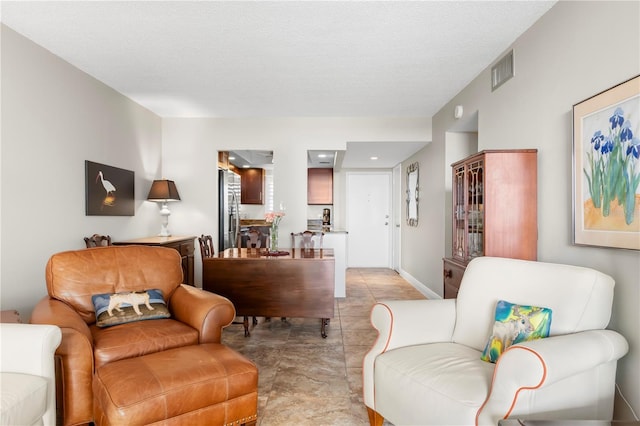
column 229, row 205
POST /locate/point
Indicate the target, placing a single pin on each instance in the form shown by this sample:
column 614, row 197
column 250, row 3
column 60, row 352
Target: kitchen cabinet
column 223, row 160
column 494, row 210
column 252, row 186
column 320, row 186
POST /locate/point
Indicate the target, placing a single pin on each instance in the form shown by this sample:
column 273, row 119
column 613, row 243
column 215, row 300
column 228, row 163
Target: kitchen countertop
column 254, row 222
column 332, row 231
column 262, row 222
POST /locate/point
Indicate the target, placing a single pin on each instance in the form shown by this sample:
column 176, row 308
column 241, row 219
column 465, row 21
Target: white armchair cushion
column 24, row 399
column 403, row 323
column 443, row 382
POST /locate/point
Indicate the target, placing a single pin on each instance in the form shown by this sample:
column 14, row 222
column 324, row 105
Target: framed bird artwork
column 109, row 190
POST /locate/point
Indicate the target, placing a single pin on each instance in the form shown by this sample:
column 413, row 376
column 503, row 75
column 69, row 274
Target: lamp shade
column 163, row 190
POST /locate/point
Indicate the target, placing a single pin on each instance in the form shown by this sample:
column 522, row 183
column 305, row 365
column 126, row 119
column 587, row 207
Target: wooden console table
column 11, row 316
column 184, row 245
column 298, row 285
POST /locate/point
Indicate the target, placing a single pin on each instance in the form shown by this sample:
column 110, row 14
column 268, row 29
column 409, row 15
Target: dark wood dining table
column 293, row 283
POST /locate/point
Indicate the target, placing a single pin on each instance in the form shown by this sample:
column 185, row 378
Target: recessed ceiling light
column 232, row 158
column 322, row 155
column 246, row 166
column 373, row 158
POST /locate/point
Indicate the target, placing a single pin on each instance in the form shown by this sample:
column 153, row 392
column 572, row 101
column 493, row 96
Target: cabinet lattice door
column 494, row 210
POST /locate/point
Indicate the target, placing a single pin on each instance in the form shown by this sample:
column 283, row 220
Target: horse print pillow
column 515, row 324
column 120, row 308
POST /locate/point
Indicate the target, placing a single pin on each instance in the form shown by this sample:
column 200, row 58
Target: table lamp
column 163, row 191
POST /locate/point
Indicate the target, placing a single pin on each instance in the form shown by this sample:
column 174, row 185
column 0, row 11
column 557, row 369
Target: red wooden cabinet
column 494, row 210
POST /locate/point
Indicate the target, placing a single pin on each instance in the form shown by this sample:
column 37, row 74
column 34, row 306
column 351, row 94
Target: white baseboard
column 426, row 291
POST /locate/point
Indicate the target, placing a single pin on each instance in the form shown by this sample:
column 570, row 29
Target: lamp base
column 164, row 212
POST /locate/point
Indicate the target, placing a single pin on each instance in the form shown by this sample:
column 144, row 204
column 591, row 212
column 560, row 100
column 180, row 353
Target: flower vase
column 273, row 239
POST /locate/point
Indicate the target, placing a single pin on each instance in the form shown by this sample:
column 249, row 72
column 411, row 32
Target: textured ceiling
column 290, row 58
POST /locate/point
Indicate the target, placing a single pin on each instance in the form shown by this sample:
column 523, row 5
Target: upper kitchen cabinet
column 320, row 186
column 251, row 186
column 223, row 160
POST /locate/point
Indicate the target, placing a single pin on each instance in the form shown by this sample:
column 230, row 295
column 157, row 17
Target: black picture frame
column 109, row 191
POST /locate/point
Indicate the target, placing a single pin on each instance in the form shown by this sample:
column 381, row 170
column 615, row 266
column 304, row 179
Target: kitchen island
column 337, row 241
column 299, row 284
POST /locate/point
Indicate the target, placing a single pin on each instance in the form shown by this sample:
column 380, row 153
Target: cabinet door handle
column 448, row 273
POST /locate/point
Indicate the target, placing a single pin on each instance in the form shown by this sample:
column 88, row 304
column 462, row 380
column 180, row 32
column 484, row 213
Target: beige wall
column 190, row 148
column 54, row 117
column 573, row 52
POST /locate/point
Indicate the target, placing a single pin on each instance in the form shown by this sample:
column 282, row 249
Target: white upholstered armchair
column 27, row 374
column 425, row 367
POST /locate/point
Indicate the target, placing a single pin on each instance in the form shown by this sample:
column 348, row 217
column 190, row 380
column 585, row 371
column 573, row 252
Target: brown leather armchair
column 197, row 318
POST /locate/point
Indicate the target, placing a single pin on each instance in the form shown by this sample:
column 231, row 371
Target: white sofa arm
column 412, row 322
column 540, row 363
column 30, row 349
column 403, row 323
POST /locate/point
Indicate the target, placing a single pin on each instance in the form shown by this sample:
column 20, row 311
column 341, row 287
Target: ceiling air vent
column 502, row 71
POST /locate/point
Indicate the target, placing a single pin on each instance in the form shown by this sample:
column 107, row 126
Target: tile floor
column 307, row 380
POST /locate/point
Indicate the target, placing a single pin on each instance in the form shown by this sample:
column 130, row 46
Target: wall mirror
column 412, row 194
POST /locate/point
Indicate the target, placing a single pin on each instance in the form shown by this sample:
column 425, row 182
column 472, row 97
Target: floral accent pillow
column 515, row 324
column 120, row 308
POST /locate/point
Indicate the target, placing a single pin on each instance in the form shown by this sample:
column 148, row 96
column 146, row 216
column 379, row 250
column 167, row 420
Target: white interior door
column 369, row 219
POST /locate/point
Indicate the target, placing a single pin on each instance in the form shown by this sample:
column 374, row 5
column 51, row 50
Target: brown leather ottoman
column 206, row 384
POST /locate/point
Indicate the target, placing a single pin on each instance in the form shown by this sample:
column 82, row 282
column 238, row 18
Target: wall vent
column 502, row 71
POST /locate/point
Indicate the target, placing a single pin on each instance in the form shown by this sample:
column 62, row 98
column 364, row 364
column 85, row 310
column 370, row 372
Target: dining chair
column 307, row 240
column 97, row 240
column 206, row 246
column 253, row 238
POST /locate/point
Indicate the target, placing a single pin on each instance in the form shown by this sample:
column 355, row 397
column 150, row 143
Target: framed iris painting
column 606, row 168
column 109, row 190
